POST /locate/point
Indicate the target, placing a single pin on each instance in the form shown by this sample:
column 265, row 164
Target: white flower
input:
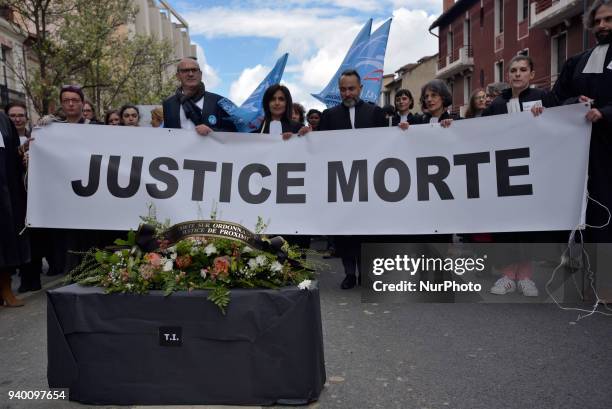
column 173, row 256
column 252, row 263
column 203, row 273
column 210, row 249
column 276, row 266
column 247, row 249
column 168, row 265
column 305, row 285
column 260, row 260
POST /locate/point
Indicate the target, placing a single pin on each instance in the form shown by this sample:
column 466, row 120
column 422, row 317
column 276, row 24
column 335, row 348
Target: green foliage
column 220, row 296
column 131, row 240
column 214, row 264
column 88, row 42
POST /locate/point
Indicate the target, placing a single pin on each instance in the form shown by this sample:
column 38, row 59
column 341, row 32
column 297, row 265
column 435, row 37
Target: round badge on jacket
column 212, row 120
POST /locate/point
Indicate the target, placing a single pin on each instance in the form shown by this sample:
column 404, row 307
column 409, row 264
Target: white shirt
column 513, row 105
column 597, row 59
column 276, row 128
column 352, row 115
column 186, row 123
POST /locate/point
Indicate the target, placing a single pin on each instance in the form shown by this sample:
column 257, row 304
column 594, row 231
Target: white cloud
column 431, row 6
column 209, row 74
column 409, row 39
column 246, row 83
column 317, row 38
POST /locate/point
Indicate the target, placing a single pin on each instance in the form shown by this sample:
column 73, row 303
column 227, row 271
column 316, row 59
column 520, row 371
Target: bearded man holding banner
column 350, row 114
column 587, row 77
column 192, row 107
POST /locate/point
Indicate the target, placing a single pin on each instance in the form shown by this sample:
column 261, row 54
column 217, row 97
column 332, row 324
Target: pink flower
column 154, row 259
column 147, row 271
column 125, row 276
column 183, row 261
column 221, row 266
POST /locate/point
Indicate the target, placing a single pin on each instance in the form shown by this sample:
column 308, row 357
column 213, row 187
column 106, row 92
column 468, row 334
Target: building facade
column 12, row 54
column 158, row 19
column 477, row 39
column 411, row 77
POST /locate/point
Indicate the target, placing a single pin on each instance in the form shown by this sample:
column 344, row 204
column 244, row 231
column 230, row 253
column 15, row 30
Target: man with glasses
column 192, row 107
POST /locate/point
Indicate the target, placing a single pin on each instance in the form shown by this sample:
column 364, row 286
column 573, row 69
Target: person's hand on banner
column 445, row 123
column 593, row 115
column 404, row 126
column 203, row 130
column 537, row 110
column 304, row 130
column 286, row 136
column 46, row 120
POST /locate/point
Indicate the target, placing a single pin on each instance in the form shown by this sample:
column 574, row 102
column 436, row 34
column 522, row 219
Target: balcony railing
column 459, row 60
column 548, row 13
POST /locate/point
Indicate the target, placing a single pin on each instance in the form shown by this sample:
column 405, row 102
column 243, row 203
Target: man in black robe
column 350, row 114
column 14, row 247
column 588, row 77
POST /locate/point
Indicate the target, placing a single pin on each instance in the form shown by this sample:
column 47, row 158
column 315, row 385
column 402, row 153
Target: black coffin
column 107, row 348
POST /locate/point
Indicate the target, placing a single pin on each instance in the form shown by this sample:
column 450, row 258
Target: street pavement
column 421, row 355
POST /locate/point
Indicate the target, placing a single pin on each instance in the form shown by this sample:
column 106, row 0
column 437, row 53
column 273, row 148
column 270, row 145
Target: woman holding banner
column 516, row 266
column 278, row 110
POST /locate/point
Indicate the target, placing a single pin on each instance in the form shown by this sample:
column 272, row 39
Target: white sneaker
column 528, row 288
column 503, row 286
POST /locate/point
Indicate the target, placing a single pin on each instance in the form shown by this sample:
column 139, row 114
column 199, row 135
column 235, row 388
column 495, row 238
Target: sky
column 239, row 41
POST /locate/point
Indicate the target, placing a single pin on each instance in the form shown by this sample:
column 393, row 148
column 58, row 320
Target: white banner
column 502, row 173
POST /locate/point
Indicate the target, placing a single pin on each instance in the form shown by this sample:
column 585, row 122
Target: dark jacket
column 498, row 106
column 14, row 248
column 367, row 115
column 571, row 84
column 427, row 117
column 411, row 119
column 288, row 126
column 213, row 115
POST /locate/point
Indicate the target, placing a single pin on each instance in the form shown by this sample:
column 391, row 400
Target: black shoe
column 349, row 282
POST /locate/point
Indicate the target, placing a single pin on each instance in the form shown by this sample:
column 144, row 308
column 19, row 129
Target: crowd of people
column 586, row 77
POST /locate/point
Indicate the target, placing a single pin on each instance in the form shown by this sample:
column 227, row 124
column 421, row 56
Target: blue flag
column 250, row 114
column 330, row 95
column 371, row 62
column 368, row 58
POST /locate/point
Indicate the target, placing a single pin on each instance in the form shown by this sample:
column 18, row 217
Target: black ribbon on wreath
column 147, row 240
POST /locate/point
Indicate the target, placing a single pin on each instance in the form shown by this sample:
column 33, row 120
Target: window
column 499, row 16
column 481, row 78
column 449, row 43
column 481, row 17
column 467, row 35
column 523, row 10
column 467, row 89
column 558, row 54
column 499, row 71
